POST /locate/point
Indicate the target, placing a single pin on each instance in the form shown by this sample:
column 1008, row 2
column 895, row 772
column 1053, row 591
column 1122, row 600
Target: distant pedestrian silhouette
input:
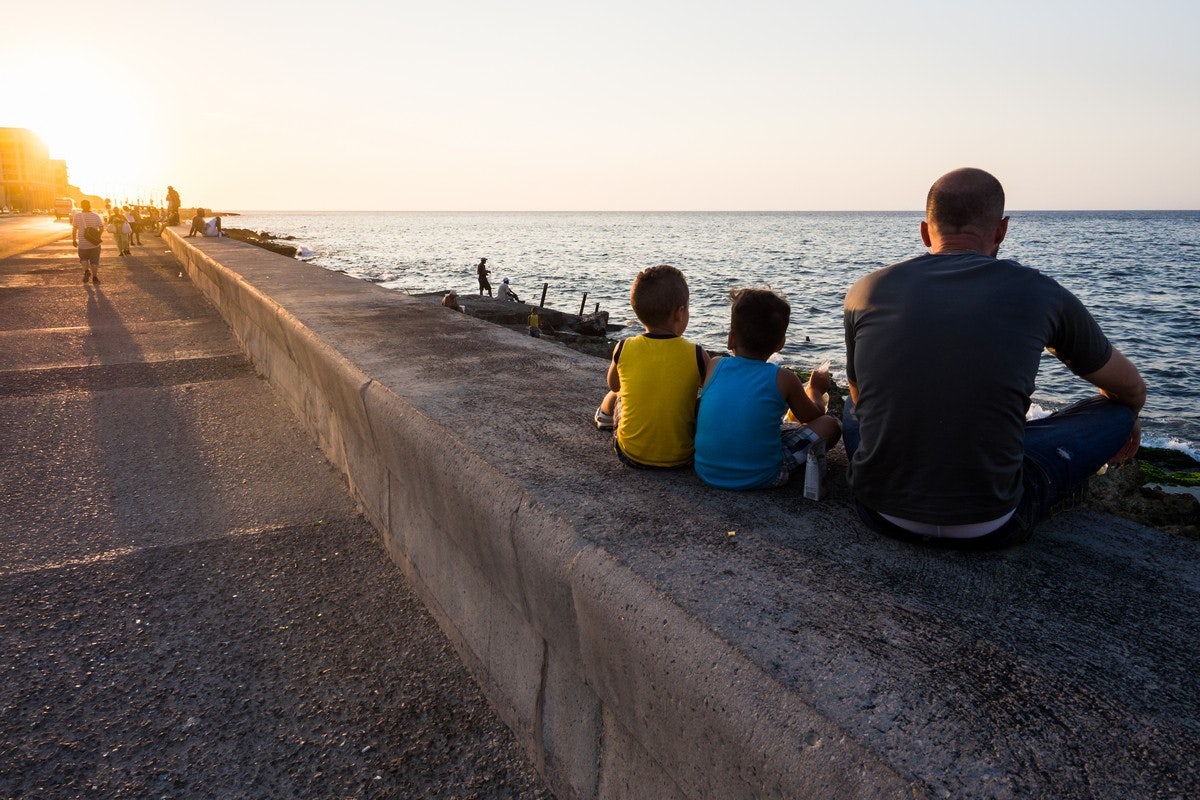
column 482, row 271
column 172, row 206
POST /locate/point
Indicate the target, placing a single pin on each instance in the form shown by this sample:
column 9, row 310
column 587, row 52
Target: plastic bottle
column 814, row 472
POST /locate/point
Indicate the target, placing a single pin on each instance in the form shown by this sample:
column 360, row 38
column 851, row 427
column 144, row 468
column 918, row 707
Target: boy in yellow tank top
column 654, row 377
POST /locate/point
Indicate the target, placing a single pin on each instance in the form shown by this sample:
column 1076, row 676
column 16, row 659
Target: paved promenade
column 193, row 607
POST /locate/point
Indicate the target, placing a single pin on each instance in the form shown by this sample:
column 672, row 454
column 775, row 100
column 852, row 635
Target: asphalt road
column 23, row 232
column 193, row 606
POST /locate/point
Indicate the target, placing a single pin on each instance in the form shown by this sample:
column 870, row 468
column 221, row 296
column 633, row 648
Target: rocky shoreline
column 263, row 239
column 587, row 333
column 1142, row 491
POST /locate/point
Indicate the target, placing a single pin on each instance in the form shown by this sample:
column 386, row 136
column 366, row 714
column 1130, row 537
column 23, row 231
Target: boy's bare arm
column 710, row 366
column 799, row 396
column 614, row 377
column 818, row 385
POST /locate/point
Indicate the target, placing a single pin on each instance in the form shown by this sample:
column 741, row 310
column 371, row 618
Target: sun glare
column 108, row 142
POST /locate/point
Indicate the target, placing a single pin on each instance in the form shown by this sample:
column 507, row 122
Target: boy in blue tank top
column 653, row 378
column 741, row 439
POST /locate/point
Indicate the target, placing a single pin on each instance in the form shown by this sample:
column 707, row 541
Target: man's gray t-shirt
column 944, row 350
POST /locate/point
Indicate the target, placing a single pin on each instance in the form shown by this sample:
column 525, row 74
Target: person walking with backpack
column 87, row 230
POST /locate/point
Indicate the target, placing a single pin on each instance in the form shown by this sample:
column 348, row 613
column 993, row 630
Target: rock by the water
column 595, row 324
column 506, row 312
column 598, row 346
column 1122, row 491
column 263, row 240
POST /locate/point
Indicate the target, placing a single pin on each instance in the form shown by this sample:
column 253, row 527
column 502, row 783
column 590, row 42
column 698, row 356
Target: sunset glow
column 116, row 154
column 649, row 105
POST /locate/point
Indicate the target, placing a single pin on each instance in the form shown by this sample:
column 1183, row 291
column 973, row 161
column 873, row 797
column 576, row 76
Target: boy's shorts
column 629, row 462
column 795, row 439
column 626, row 460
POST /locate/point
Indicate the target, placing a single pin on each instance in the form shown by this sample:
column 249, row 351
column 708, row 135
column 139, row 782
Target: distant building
column 29, row 178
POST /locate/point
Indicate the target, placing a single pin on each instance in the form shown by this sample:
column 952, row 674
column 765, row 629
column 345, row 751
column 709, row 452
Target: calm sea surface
column 1138, row 272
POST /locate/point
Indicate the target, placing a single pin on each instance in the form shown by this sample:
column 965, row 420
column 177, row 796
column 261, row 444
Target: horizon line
column 678, row 211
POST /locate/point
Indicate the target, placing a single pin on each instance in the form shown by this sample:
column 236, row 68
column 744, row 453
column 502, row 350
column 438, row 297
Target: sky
column 644, row 105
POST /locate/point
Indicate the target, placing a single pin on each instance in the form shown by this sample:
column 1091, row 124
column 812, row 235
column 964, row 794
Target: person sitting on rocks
column 506, row 292
column 450, row 300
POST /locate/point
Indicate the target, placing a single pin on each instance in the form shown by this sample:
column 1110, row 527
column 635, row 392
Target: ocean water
column 1138, row 272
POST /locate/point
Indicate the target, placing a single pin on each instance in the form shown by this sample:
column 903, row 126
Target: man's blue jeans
column 1061, row 452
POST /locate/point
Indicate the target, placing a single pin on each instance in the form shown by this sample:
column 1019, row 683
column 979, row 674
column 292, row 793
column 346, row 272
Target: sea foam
column 1173, row 444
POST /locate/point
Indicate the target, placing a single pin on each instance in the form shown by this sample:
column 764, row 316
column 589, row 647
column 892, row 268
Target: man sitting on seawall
column 942, row 352
column 197, row 224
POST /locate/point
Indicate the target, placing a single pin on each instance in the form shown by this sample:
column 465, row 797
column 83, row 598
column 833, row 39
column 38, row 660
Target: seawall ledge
column 649, row 637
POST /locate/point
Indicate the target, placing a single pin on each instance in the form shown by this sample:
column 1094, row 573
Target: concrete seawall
column 648, row 637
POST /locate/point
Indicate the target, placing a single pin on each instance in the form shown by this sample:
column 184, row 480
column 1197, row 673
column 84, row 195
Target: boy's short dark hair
column 758, row 320
column 656, row 293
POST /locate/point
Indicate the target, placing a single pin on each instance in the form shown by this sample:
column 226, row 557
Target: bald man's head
column 966, row 198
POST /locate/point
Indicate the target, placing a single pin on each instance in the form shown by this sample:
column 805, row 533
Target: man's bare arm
column 1120, row 381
